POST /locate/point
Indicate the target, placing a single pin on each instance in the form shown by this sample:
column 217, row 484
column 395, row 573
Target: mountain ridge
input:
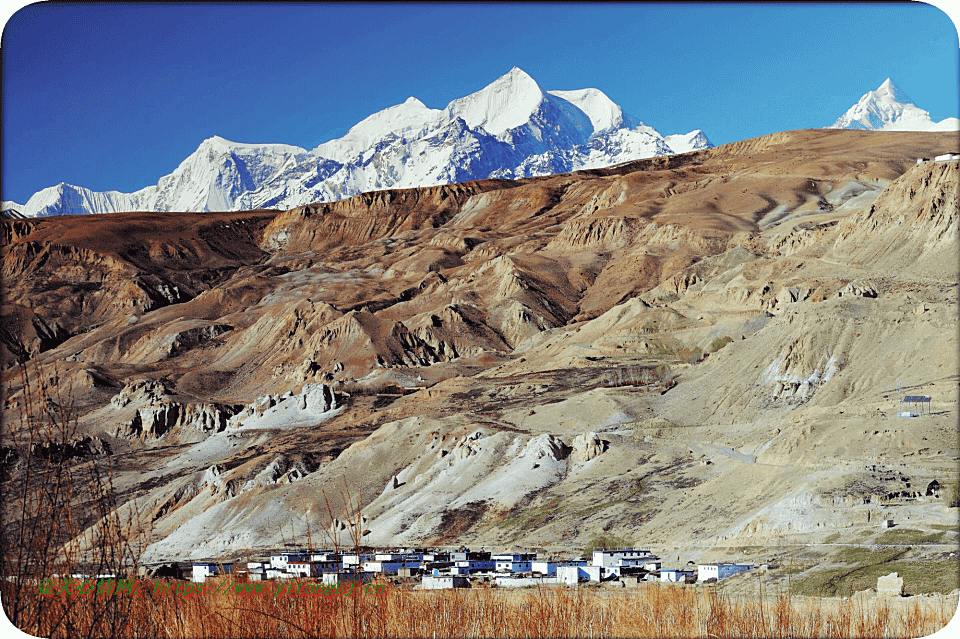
column 509, row 129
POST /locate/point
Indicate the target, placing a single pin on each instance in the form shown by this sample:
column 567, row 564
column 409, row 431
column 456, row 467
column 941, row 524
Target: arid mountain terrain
column 695, row 350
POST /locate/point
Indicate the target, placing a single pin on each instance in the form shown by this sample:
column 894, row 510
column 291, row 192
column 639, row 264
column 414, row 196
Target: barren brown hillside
column 694, row 351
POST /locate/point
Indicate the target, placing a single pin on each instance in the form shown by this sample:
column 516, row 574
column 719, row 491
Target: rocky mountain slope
column 889, row 109
column 698, row 350
column 510, row 128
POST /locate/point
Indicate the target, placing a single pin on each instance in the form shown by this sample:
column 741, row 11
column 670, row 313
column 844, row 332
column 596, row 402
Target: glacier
column 509, row 129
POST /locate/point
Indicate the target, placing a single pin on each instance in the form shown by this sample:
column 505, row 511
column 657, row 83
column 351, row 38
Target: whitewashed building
column 429, row 557
column 471, row 566
column 572, row 575
column 548, row 568
column 388, row 556
column 511, row 581
column 442, row 582
column 354, row 559
column 389, row 567
column 513, row 566
column 325, row 556
column 720, row 570
column 280, row 561
column 676, row 575
column 621, row 558
column 301, row 569
column 203, row 570
column 334, row 578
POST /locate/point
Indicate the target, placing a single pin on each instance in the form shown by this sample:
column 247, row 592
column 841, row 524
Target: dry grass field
column 652, row 611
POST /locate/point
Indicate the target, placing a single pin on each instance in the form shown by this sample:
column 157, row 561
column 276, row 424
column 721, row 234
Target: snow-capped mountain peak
column 889, row 109
column 603, row 112
column 889, row 89
column 509, row 129
column 504, row 104
column 686, row 142
column 411, row 116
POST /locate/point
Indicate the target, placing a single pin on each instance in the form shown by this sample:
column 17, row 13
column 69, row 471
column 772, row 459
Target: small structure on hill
column 916, row 404
column 890, row 586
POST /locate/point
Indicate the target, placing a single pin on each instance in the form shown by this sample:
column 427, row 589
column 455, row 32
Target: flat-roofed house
column 441, row 582
column 720, row 570
column 202, row 570
column 677, row 575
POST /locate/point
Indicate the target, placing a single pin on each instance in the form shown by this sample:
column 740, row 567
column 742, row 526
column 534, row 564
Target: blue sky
column 114, row 96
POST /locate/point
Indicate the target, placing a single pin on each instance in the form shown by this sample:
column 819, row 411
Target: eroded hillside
column 690, row 350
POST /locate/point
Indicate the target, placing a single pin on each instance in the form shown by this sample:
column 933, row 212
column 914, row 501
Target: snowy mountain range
column 509, row 129
column 889, row 109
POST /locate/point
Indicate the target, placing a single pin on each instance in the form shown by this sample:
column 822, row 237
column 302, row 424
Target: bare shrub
column 719, row 343
column 61, row 522
column 638, row 376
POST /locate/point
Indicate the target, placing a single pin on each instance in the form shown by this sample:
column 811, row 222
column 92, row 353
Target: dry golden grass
column 652, row 611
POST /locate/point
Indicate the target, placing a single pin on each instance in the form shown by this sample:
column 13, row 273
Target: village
column 434, row 570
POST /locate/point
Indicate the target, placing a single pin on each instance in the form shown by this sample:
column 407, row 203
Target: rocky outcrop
column 279, row 471
column 214, row 482
column 797, row 373
column 608, row 232
column 194, row 337
column 467, row 446
column 140, row 390
column 458, row 330
column 307, row 370
column 546, row 446
column 158, row 419
column 76, row 448
column 788, row 295
column 890, row 586
column 587, row 446
column 314, row 400
column 24, row 334
column 859, row 289
column 914, row 220
column 317, row 398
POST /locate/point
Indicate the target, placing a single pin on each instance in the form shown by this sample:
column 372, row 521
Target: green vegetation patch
column 909, row 536
column 605, row 542
column 866, row 566
column 531, row 517
column 719, row 343
column 948, row 527
column 866, row 556
column 642, row 487
column 795, row 569
column 590, row 510
column 669, row 348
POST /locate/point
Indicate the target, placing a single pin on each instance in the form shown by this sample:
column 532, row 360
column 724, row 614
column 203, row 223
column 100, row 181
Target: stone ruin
column 890, row 586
